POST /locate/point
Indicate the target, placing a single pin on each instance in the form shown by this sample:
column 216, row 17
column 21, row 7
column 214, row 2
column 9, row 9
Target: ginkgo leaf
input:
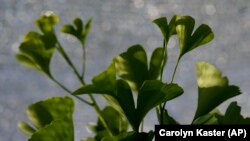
column 166, row 29
column 47, row 22
column 189, row 39
column 103, row 83
column 157, row 62
column 131, row 136
column 153, row 93
column 213, row 88
column 233, row 116
column 117, row 125
column 52, row 119
column 78, row 29
column 36, row 52
column 132, row 66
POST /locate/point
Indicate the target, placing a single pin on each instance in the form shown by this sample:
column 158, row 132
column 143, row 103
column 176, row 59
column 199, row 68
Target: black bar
column 194, row 132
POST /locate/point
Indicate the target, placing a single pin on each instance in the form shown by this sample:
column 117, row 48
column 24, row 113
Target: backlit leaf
column 213, row 88
column 157, row 61
column 189, row 40
column 52, row 119
column 132, row 66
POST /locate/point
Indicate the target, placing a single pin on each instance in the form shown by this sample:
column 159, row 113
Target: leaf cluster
column 132, row 84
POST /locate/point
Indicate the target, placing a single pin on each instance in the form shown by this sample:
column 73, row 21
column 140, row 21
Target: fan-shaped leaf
column 78, row 29
column 189, row 40
column 52, row 119
column 233, row 116
column 47, row 22
column 36, row 51
column 153, row 93
column 132, row 66
column 213, row 88
column 157, row 62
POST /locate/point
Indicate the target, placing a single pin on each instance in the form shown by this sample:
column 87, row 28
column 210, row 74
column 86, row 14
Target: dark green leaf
column 112, row 101
column 78, row 26
column 213, row 88
column 166, row 29
column 69, row 29
column 52, row 119
column 202, row 35
column 153, row 93
column 132, row 66
column 47, row 22
column 92, row 89
column 132, row 136
column 208, row 119
column 157, row 62
column 78, row 29
column 125, row 98
column 107, row 78
column 86, row 30
column 233, row 116
column 187, row 41
column 103, row 83
column 172, row 26
column 162, row 23
column 118, row 124
column 167, row 119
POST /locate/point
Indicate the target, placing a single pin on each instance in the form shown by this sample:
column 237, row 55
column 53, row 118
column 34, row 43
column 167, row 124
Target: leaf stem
column 67, row 90
column 142, row 125
column 80, row 78
column 175, row 69
column 163, row 58
column 99, row 112
column 84, row 61
column 65, row 56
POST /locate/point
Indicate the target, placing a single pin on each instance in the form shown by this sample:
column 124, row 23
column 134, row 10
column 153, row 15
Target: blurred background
column 118, row 24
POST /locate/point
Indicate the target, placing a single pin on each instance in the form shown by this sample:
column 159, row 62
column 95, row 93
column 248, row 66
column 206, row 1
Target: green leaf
column 37, row 49
column 233, row 116
column 28, row 62
column 125, row 99
column 132, row 66
column 213, row 88
column 117, row 125
column 103, row 83
column 187, row 40
column 201, row 36
column 33, row 51
column 208, row 119
column 157, row 62
column 86, row 30
column 92, row 89
column 132, row 136
column 47, row 22
column 166, row 29
column 26, row 128
column 106, row 78
column 162, row 23
column 167, row 119
column 153, row 93
column 52, row 119
column 78, row 29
